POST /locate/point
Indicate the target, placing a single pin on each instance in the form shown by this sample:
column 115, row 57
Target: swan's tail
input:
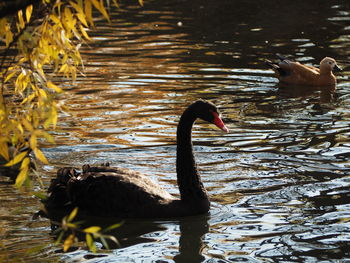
column 58, row 194
column 62, row 188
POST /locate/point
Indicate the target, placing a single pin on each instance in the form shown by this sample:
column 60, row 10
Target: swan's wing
column 115, row 191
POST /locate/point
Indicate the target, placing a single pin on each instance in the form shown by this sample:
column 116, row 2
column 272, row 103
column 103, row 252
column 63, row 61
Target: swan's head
column 207, row 111
column 329, row 64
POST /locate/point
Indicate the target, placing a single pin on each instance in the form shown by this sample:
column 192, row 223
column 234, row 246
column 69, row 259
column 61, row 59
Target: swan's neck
column 188, row 179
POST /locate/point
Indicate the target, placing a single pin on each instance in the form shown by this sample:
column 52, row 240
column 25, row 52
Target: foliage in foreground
column 91, row 233
column 40, row 43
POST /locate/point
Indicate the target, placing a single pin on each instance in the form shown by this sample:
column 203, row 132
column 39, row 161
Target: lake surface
column 279, row 181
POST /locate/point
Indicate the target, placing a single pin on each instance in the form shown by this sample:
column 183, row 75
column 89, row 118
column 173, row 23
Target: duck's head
column 329, row 64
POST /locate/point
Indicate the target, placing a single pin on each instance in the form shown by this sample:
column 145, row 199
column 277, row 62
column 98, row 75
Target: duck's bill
column 219, row 123
column 337, row 68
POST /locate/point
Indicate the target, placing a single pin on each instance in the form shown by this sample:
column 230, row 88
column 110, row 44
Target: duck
column 120, row 192
column 295, row 73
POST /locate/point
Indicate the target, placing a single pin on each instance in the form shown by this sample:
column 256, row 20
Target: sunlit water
column 279, row 181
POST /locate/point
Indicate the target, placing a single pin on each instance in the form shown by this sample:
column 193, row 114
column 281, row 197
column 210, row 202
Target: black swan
column 120, row 192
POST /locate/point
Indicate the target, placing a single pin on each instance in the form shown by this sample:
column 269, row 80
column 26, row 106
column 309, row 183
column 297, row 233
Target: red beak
column 219, row 123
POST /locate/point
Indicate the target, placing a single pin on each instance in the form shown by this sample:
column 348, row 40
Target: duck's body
column 113, row 191
column 295, row 73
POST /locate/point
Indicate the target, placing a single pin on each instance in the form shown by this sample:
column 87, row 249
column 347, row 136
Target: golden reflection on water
column 268, row 179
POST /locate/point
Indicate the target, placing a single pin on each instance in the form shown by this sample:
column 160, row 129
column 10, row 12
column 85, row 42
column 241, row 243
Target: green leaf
column 40, row 195
column 90, row 243
column 35, row 250
column 104, row 242
column 113, row 227
column 71, row 225
column 59, row 239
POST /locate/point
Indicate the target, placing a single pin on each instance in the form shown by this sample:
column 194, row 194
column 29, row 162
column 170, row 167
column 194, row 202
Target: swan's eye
column 330, row 62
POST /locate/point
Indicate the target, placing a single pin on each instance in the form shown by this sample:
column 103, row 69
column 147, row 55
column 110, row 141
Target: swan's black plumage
column 112, row 191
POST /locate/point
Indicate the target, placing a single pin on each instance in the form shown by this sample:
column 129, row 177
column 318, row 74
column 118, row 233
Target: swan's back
column 108, row 191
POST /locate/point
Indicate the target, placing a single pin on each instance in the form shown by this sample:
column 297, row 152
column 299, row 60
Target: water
column 279, row 181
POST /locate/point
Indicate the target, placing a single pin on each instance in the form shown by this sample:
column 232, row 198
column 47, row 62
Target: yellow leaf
column 68, row 242
column 20, row 19
column 80, row 13
column 36, row 119
column 63, row 68
column 9, row 76
column 104, row 12
column 22, row 176
column 68, row 14
column 52, row 86
column 51, row 119
column 82, row 19
column 19, row 157
column 116, row 3
column 42, row 93
column 55, row 19
column 39, row 154
column 92, row 229
column 141, row 2
column 44, row 134
column 4, row 151
column 88, row 12
column 3, row 22
column 83, row 31
column 73, row 214
column 24, row 100
column 96, row 4
column 29, row 10
column 76, row 7
column 27, row 124
column 20, row 128
column 25, row 163
column 33, row 142
column 100, row 7
column 9, row 37
column 29, row 98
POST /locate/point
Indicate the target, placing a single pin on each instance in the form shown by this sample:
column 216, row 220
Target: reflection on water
column 279, row 182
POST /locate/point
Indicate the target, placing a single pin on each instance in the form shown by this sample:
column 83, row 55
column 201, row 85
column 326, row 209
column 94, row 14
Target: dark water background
column 279, row 181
